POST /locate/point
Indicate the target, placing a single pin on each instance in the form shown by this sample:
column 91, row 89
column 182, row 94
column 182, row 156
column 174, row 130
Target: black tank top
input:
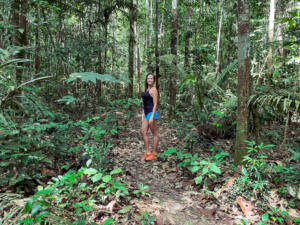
column 148, row 102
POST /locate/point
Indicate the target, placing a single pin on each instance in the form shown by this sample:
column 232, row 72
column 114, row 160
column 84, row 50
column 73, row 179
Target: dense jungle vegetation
column 71, row 77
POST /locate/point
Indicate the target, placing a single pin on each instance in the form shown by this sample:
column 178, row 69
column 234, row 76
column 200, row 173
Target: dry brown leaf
column 246, row 207
column 294, row 214
column 208, row 212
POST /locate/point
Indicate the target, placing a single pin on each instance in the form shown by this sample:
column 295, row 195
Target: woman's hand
column 151, row 121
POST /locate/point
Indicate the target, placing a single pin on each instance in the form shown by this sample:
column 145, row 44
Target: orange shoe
column 145, row 156
column 150, row 157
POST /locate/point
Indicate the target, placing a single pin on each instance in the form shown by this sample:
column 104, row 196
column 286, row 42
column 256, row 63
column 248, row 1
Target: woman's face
column 150, row 79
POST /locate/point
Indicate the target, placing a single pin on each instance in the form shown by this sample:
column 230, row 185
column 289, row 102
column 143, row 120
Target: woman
column 150, row 116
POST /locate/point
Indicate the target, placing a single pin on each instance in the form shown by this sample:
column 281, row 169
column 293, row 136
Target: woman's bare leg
column 145, row 127
column 154, row 130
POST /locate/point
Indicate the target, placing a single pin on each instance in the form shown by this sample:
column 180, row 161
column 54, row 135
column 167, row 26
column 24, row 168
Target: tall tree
column 156, row 45
column 188, row 34
column 19, row 20
column 244, row 80
column 148, row 35
column 270, row 39
column 219, row 38
column 38, row 42
column 131, row 47
column 173, row 74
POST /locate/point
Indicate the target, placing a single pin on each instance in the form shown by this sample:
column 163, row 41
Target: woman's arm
column 154, row 95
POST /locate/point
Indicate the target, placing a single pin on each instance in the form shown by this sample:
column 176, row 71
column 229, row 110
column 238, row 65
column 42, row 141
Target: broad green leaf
column 44, row 192
column 28, row 205
column 42, row 214
column 205, row 170
column 90, row 171
column 265, row 217
column 108, row 221
column 214, row 168
column 170, row 151
column 203, row 162
column 194, row 169
column 115, row 171
column 96, row 177
column 107, row 178
column 91, row 76
column 35, row 208
column 244, row 171
column 198, row 179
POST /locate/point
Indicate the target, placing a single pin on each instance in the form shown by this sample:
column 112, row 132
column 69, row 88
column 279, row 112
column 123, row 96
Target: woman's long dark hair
column 146, row 84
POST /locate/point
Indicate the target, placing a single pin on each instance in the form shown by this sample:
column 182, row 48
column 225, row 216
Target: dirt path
column 173, row 199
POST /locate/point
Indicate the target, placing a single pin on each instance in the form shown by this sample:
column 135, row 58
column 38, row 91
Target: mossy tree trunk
column 244, row 81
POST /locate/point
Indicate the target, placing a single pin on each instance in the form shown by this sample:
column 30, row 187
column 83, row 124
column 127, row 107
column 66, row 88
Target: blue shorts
column 148, row 116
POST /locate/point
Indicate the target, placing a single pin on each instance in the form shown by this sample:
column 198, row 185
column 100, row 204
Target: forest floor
column 173, row 198
column 171, row 195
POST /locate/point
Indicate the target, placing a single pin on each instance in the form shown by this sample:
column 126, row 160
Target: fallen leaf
column 246, row 207
column 294, row 214
column 208, row 212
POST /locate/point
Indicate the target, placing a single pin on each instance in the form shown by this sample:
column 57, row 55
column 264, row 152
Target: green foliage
column 91, row 76
column 72, row 192
column 108, row 221
column 208, row 168
column 145, row 219
column 26, row 145
column 256, row 173
column 142, row 190
column 277, row 216
column 37, row 206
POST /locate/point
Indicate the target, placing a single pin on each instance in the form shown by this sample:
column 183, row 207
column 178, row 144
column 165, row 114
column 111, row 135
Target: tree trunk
column 131, row 48
column 20, row 38
column 138, row 68
column 270, row 40
column 38, row 42
column 100, row 60
column 156, row 46
column 187, row 35
column 138, row 60
column 244, row 80
column 172, row 89
column 219, row 39
column 148, row 36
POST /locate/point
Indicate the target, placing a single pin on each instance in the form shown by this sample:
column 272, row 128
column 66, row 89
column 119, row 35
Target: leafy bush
column 74, row 193
column 208, row 168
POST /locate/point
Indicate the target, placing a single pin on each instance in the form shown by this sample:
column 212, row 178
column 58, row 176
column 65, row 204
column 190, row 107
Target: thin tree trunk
column 188, row 35
column 244, row 80
column 100, row 60
column 38, row 42
column 131, row 48
column 270, row 40
column 148, row 36
column 138, row 68
column 172, row 89
column 20, row 38
column 138, row 60
column 219, row 39
column 156, row 46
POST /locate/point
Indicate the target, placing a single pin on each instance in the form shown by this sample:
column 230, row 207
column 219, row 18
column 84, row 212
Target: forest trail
column 173, row 199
